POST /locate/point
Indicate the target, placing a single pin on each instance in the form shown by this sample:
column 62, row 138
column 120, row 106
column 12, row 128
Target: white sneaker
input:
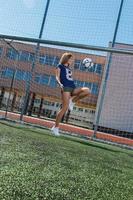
column 71, row 105
column 55, row 131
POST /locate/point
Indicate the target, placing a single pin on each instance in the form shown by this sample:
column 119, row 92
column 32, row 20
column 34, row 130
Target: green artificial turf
column 35, row 165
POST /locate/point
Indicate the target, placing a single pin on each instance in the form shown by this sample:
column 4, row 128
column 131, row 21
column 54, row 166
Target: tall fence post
column 28, row 84
column 13, row 78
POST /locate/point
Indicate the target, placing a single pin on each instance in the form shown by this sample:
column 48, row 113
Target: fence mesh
column 28, row 87
column 27, row 67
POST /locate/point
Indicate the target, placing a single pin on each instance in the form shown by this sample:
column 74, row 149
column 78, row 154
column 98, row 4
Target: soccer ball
column 88, row 62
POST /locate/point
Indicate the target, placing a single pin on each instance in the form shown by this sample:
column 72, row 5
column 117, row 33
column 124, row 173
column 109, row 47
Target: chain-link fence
column 28, row 86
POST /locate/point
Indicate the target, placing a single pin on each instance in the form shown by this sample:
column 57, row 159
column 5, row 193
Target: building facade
column 17, row 72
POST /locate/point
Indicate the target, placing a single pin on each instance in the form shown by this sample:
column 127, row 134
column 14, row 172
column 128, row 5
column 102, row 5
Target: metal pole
column 13, row 77
column 28, row 85
column 107, row 71
column 9, row 96
column 68, row 44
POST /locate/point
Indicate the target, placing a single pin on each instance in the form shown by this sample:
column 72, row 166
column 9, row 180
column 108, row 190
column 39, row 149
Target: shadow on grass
column 65, row 137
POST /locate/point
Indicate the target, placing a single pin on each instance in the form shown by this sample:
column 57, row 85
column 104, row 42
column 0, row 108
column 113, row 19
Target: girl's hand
column 61, row 86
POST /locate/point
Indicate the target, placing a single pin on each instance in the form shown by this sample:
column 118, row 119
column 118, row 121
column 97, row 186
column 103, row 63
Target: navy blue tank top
column 66, row 76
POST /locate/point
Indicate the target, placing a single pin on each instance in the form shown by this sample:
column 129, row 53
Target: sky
column 90, row 22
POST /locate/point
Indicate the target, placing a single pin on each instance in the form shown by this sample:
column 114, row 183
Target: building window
column 37, row 78
column 57, row 104
column 7, row 73
column 74, row 108
column 79, row 83
column 11, row 54
column 37, row 101
column 27, row 76
column 20, row 75
column 52, row 103
column 48, row 103
column 77, row 64
column 86, row 111
column 52, row 82
column 49, row 60
column 31, row 57
column 55, row 112
column 98, row 68
column 44, row 79
column 95, row 89
column 80, row 109
column 56, row 60
column 1, row 49
column 92, row 111
column 88, row 84
column 42, row 59
column 24, row 56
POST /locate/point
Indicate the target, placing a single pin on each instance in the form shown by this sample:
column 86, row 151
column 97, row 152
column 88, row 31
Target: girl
column 70, row 94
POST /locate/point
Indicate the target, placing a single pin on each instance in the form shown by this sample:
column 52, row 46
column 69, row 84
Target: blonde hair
column 65, row 57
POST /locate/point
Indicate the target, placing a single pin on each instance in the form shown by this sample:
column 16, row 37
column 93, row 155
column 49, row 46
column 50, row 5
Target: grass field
column 35, row 165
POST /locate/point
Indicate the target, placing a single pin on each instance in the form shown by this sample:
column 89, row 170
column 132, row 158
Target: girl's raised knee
column 86, row 90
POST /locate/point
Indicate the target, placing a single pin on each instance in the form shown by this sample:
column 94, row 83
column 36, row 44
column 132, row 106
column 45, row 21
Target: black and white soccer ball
column 87, row 62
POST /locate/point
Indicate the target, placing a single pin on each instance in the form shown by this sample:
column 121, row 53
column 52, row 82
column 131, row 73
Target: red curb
column 114, row 138
column 70, row 128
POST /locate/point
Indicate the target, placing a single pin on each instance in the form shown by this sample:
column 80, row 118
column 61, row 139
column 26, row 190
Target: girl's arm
column 58, row 78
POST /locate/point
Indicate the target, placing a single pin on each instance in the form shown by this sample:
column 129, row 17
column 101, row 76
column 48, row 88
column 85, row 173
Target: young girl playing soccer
column 70, row 94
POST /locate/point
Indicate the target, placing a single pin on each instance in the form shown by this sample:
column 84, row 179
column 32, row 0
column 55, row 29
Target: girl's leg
column 80, row 93
column 65, row 103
